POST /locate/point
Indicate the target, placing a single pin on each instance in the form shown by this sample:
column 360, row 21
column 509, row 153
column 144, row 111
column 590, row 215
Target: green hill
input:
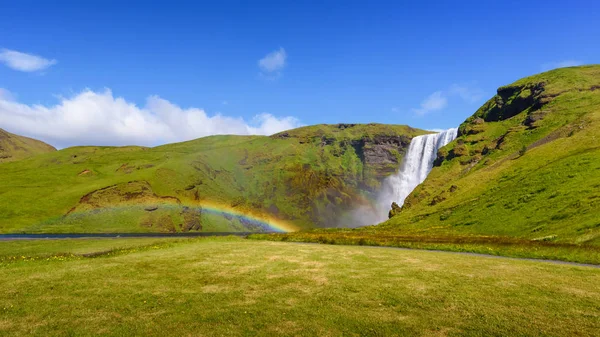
column 526, row 164
column 296, row 179
column 14, row 147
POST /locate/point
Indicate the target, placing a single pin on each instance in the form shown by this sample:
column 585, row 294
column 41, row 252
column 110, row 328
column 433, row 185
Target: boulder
column 395, row 210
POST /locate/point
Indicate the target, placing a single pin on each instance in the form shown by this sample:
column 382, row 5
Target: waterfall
column 416, row 165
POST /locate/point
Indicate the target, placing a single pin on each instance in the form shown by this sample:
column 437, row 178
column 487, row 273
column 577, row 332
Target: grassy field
column 490, row 245
column 235, row 287
column 16, row 250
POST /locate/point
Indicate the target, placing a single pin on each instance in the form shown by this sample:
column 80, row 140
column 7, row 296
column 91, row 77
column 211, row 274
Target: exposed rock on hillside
column 384, row 153
column 395, row 210
column 133, row 193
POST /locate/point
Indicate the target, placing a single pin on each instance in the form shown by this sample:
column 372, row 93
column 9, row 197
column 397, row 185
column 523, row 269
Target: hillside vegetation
column 526, row 164
column 14, row 147
column 305, row 177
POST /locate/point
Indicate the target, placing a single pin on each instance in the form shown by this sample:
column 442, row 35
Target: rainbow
column 212, row 207
column 272, row 222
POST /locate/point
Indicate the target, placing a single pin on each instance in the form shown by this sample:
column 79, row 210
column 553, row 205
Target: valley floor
column 231, row 286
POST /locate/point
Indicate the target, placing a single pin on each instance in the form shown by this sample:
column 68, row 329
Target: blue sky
column 145, row 73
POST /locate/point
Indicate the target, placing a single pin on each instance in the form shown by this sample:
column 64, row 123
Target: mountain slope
column 526, row 164
column 304, row 177
column 14, row 147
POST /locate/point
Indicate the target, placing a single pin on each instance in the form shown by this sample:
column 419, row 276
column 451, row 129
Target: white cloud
column 224, row 102
column 434, row 102
column 273, row 62
column 267, row 124
column 439, row 99
column 6, row 95
column 24, row 62
column 560, row 64
column 99, row 118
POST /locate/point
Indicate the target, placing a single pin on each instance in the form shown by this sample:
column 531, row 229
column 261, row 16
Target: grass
column 16, row 250
column 489, row 245
column 14, row 147
column 235, row 287
column 307, row 177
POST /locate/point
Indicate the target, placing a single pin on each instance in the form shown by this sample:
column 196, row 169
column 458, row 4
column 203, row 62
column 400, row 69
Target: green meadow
column 238, row 287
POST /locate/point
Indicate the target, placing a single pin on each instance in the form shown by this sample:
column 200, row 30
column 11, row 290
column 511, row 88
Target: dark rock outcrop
column 512, row 100
column 395, row 210
column 533, row 118
column 382, row 153
column 437, row 199
column 508, row 102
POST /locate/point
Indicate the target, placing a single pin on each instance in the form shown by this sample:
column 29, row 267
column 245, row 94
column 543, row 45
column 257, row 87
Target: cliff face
column 14, row 147
column 352, row 161
column 383, row 153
